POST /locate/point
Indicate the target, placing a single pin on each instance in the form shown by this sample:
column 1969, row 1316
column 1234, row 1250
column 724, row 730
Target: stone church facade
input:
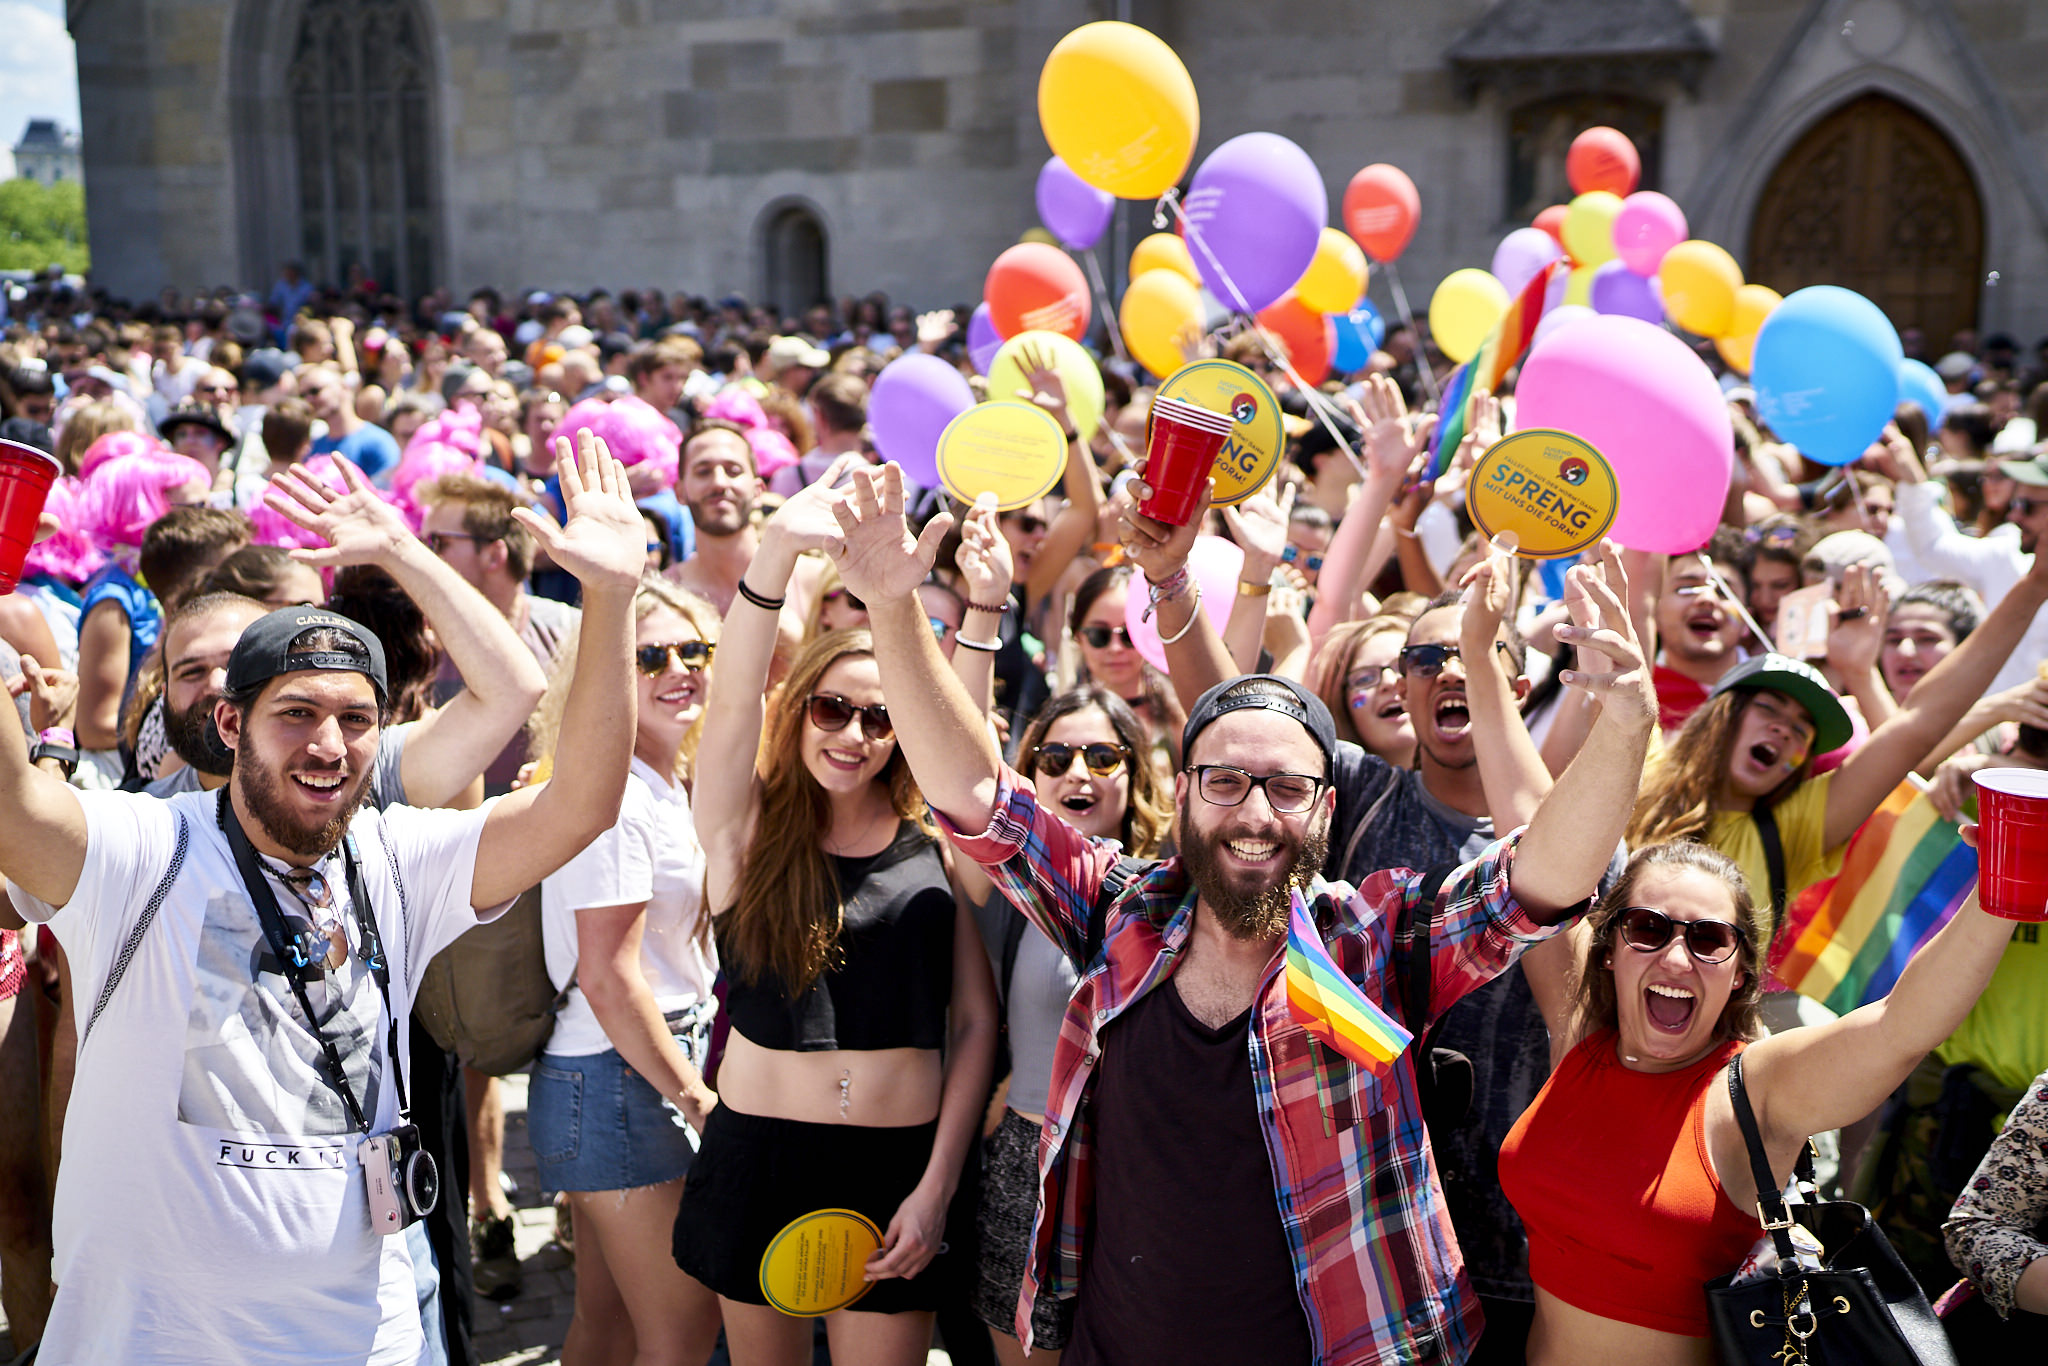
column 788, row 148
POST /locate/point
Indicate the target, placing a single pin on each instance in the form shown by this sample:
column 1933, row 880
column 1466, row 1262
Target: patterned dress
column 1996, row 1229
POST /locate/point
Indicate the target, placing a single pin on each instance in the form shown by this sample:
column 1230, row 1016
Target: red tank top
column 1609, row 1171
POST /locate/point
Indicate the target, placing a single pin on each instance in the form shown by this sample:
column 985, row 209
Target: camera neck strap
column 297, row 963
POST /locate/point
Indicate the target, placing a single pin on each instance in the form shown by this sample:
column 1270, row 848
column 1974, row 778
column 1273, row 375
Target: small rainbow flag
column 1905, row 872
column 1501, row 352
column 1328, row 1005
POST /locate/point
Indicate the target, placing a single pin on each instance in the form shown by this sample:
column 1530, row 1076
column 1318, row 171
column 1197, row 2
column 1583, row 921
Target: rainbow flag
column 1328, row 1005
column 1905, row 872
column 1501, row 352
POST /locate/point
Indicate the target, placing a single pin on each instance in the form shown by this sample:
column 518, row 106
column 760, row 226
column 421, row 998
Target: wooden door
column 1875, row 199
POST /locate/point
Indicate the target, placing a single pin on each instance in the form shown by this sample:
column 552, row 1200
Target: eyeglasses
column 1771, row 535
column 1287, row 793
column 693, row 655
column 654, row 547
column 1309, row 562
column 1098, row 637
column 939, row 627
column 829, row 711
column 439, row 541
column 1101, row 759
column 1027, row 523
column 1359, row 688
column 1427, row 661
column 851, row 601
column 1709, row 941
column 2023, row 507
column 216, row 389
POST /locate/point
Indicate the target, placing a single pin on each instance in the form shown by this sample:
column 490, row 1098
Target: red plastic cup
column 2012, row 842
column 25, row 478
column 1180, row 452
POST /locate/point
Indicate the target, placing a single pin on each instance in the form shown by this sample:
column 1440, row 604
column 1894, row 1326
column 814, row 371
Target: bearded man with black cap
column 241, row 1181
column 1218, row 1185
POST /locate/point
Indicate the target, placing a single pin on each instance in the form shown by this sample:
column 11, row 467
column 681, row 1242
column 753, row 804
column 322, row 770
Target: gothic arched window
column 362, row 133
column 793, row 251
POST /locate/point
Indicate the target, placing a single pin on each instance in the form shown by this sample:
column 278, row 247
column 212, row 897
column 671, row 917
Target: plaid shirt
column 1380, row 1275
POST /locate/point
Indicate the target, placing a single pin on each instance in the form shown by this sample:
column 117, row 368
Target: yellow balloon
column 1164, row 251
column 1753, row 303
column 1578, row 287
column 1158, row 308
column 1038, row 234
column 1119, row 108
column 1466, row 306
column 1589, row 227
column 1699, row 282
column 1335, row 279
column 1075, row 367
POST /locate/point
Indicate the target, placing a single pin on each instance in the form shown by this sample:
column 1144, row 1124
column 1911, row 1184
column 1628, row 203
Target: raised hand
column 805, row 520
column 1392, row 440
column 1043, row 385
column 984, row 557
column 1160, row 549
column 877, row 557
column 1259, row 524
column 604, row 540
column 1611, row 664
column 358, row 526
column 1857, row 620
column 52, row 695
column 1489, row 588
column 933, row 328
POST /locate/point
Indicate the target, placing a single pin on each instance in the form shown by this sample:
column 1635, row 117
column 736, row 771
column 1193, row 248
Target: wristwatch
column 65, row 755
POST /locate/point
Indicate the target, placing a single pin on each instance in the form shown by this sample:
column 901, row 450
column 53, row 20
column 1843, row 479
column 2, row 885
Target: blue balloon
column 1359, row 333
column 1826, row 372
column 1919, row 384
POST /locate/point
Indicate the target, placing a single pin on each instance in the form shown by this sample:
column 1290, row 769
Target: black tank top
column 892, row 973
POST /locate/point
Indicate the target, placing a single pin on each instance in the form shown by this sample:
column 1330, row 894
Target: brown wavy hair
column 1148, row 815
column 1741, row 1018
column 1329, row 673
column 1678, row 796
column 785, row 919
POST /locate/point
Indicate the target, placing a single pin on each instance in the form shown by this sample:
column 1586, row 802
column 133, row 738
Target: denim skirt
column 596, row 1125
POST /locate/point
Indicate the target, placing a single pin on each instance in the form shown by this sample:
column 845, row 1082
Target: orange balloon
column 1033, row 287
column 1310, row 338
column 1753, row 303
column 1551, row 220
column 1381, row 208
column 1603, row 159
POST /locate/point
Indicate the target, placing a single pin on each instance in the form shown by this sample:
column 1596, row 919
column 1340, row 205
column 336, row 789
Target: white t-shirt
column 211, row 1204
column 651, row 855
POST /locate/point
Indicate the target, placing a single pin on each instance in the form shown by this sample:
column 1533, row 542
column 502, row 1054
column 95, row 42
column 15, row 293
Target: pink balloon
column 1648, row 225
column 1215, row 564
column 1521, row 254
column 1650, row 405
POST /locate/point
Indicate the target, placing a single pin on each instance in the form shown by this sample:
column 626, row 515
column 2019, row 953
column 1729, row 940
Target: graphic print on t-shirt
column 251, row 1064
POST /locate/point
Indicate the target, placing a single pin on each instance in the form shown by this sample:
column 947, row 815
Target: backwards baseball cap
column 1288, row 698
column 266, row 650
column 1802, row 683
column 2033, row 471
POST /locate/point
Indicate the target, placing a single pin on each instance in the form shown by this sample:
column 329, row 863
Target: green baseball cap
column 1802, row 683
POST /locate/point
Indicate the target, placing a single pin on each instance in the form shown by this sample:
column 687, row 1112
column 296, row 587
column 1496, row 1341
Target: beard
column 193, row 738
column 264, row 793
column 721, row 518
column 1250, row 912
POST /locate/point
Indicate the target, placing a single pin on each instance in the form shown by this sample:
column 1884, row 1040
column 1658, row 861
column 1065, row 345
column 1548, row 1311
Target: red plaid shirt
column 1380, row 1275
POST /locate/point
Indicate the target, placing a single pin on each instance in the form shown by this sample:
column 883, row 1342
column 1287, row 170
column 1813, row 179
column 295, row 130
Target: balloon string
column 1422, row 370
column 1109, row 318
column 1727, row 593
column 1325, row 412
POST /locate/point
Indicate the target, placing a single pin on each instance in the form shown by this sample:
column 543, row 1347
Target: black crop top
column 892, row 978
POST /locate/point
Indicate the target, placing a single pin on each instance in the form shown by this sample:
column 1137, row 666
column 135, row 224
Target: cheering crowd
column 410, row 695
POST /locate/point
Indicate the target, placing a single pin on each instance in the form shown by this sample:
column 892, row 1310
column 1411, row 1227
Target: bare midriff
column 885, row 1088
column 1565, row 1335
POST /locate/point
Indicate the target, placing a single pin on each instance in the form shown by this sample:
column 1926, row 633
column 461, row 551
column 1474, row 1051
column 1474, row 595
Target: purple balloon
column 983, row 341
column 1617, row 289
column 1255, row 210
column 1521, row 254
column 914, row 398
column 1071, row 209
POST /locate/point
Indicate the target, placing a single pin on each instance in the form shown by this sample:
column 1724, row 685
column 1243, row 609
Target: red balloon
column 1603, row 159
column 1551, row 220
column 1309, row 336
column 1035, row 287
column 1381, row 207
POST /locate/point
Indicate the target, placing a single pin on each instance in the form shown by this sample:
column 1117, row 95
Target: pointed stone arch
column 796, row 257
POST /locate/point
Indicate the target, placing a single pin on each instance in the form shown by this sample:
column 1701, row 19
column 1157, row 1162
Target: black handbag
column 1863, row 1309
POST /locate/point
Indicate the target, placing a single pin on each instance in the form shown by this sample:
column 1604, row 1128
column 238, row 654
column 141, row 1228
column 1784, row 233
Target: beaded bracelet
column 1171, row 588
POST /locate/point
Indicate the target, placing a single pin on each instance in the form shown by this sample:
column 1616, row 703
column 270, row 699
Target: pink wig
column 115, row 444
column 635, row 430
column 126, row 493
column 450, row 443
column 69, row 556
column 273, row 528
column 735, row 405
column 772, row 450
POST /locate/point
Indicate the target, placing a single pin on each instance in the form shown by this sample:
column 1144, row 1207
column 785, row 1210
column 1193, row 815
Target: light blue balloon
column 1826, row 372
column 1919, row 384
column 1359, row 333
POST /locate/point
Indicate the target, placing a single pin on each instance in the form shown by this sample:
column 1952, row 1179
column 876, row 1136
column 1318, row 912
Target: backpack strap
column 1412, row 939
column 142, row 924
column 1119, row 876
column 1365, row 821
column 1774, row 862
column 1013, row 939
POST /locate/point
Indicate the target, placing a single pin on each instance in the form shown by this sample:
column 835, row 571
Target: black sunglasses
column 439, row 541
column 1098, row 637
column 693, row 655
column 851, row 601
column 1427, row 661
column 1027, row 523
column 829, row 711
column 1102, row 759
column 1708, row 941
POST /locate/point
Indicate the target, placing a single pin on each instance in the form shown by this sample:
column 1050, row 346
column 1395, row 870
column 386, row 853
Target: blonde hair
column 654, row 593
column 87, row 423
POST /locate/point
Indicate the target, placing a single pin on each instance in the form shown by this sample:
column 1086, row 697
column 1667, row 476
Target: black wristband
column 65, row 755
column 765, row 604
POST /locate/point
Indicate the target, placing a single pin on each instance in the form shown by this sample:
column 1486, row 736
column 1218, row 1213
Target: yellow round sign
column 814, row 1265
column 1252, row 451
column 1550, row 488
column 1013, row 450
